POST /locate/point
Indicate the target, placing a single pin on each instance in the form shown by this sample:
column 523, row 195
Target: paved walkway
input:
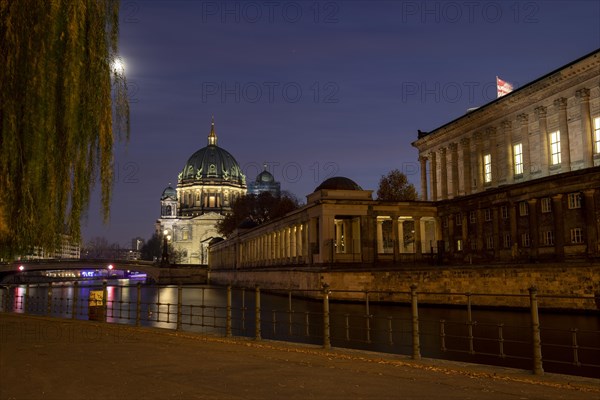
column 45, row 358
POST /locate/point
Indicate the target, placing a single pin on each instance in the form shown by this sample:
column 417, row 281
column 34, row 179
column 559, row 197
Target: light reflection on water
column 383, row 327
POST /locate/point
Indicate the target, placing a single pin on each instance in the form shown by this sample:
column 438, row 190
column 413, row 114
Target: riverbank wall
column 558, row 286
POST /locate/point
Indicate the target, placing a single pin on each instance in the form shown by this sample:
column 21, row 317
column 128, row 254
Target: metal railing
column 311, row 317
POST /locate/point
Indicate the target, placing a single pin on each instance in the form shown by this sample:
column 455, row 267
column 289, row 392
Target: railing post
column 26, row 299
column 368, row 316
column 104, row 300
column 535, row 331
column 75, row 299
column 179, row 299
column 416, row 347
column 49, row 300
column 138, row 305
column 470, row 324
column 228, row 320
column 257, row 315
column 326, row 332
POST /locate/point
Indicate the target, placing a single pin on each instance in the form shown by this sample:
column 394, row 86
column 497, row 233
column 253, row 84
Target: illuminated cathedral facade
column 207, row 185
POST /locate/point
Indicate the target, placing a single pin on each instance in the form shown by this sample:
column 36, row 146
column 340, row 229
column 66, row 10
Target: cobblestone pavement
column 46, row 358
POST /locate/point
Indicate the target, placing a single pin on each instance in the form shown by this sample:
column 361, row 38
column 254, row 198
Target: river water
column 570, row 342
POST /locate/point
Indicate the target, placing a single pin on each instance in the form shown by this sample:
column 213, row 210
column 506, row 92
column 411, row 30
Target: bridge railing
column 403, row 325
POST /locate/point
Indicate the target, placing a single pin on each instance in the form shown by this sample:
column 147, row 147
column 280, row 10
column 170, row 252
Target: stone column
column 496, row 231
column 444, row 173
column 433, row 176
column 454, row 168
column 508, row 148
column 523, row 120
column 544, row 146
column 395, row 237
column 338, row 236
column 467, row 180
column 348, row 236
column 401, row 236
column 423, row 161
column 478, row 137
column 514, row 233
column 559, row 226
column 583, row 95
column 418, row 239
column 591, row 224
column 563, row 125
column 491, row 132
column 293, row 253
column 379, row 236
column 534, row 234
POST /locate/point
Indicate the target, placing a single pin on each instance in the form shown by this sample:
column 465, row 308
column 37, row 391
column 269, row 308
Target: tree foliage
column 395, row 187
column 61, row 99
column 256, row 209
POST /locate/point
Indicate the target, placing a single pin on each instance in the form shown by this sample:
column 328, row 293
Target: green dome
column 169, row 192
column 212, row 163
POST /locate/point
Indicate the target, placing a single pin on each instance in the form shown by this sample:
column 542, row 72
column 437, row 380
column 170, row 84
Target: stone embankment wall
column 560, row 286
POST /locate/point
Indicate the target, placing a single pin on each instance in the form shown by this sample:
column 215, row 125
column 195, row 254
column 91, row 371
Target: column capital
column 465, row 142
column 532, row 201
column 432, row 156
column 423, row 158
column 477, row 136
column 506, row 124
column 523, row 118
column 560, row 103
column 491, row 130
column 453, row 146
column 442, row 151
column 583, row 94
column 557, row 197
column 589, row 192
column 540, row 112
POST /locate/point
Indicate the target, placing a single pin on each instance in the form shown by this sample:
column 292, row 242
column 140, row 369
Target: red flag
column 503, row 87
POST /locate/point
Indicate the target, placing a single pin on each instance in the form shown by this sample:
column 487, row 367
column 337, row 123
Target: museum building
column 519, row 178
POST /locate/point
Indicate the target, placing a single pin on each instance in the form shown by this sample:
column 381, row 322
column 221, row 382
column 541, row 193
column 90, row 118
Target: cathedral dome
column 338, row 183
column 212, row 163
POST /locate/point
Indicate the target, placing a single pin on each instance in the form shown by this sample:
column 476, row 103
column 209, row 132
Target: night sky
column 316, row 89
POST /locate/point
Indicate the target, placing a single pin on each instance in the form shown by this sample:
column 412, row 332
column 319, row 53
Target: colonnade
column 287, row 245
column 499, row 145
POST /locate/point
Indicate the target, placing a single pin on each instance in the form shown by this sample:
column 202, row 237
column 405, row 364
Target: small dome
column 265, row 177
column 338, row 183
column 169, row 192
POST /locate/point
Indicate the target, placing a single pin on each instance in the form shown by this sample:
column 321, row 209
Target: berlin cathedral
column 209, row 182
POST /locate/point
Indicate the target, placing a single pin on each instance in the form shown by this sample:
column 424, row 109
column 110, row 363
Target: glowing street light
column 21, row 268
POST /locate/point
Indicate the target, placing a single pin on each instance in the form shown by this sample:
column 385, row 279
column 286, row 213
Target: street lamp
column 165, row 253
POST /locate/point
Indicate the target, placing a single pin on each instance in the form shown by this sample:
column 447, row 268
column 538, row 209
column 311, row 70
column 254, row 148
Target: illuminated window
column 518, row 151
column 597, row 135
column 525, row 242
column 487, row 167
column 555, row 147
column 574, row 200
column 459, row 245
column 576, row 235
column 546, row 205
column 523, row 208
column 490, row 242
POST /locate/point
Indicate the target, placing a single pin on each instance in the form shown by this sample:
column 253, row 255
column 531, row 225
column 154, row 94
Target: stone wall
column 561, row 286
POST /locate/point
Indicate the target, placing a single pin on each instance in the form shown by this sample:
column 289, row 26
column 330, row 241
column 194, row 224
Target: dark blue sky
column 316, row 89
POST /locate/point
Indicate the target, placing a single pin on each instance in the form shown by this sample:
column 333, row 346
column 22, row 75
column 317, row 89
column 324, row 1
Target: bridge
column 174, row 273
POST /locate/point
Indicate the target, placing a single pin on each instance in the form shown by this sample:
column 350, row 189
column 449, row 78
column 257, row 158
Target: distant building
column 68, row 249
column 137, row 243
column 265, row 182
column 207, row 185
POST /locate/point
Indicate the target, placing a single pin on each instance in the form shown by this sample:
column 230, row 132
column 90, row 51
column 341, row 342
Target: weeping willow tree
column 62, row 105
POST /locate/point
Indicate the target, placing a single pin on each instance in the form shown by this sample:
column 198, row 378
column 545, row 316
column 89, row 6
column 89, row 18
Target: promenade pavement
column 46, row 358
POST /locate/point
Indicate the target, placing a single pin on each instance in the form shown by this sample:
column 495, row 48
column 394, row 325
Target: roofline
column 597, row 51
